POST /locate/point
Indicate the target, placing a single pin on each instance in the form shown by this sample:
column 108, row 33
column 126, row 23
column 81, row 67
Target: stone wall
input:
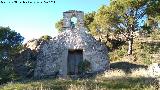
column 24, row 61
column 52, row 57
column 73, row 13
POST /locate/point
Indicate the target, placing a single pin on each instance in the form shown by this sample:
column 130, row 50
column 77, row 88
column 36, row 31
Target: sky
column 38, row 19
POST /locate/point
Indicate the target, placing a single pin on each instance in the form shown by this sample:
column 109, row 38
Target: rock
column 154, row 70
column 24, row 61
column 34, row 44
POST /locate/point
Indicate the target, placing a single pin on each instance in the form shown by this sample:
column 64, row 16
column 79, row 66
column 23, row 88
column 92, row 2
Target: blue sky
column 35, row 20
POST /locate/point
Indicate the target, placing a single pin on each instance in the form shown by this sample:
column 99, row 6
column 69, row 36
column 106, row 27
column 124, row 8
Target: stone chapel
column 63, row 53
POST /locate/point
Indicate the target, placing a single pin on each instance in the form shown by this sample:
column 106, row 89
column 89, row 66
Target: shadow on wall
column 24, row 63
column 126, row 66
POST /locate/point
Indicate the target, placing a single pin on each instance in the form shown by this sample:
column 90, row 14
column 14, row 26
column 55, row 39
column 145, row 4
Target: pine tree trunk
column 130, row 43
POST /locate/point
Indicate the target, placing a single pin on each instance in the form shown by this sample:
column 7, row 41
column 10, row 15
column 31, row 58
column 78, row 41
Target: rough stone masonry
column 53, row 56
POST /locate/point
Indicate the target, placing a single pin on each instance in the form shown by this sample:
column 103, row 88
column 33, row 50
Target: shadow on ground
column 126, row 66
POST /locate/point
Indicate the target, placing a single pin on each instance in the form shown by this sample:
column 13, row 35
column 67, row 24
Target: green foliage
column 143, row 53
column 115, row 44
column 146, row 29
column 145, row 50
column 89, row 22
column 153, row 9
column 45, row 37
column 59, row 25
column 84, row 66
column 153, row 15
column 117, row 54
column 6, row 72
column 10, row 44
column 144, row 58
column 151, row 48
column 121, row 17
column 155, row 35
column 121, row 52
column 89, row 18
column 9, row 38
column 124, row 83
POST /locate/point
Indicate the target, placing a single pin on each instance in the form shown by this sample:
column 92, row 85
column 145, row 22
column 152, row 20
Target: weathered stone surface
column 48, row 58
column 73, row 13
column 52, row 56
column 154, row 70
column 24, row 61
column 34, row 44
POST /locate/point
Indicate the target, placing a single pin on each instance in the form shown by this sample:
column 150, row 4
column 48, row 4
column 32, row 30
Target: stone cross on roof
column 73, row 13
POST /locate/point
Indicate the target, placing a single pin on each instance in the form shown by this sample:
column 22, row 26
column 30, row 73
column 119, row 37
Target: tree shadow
column 126, row 66
column 115, row 44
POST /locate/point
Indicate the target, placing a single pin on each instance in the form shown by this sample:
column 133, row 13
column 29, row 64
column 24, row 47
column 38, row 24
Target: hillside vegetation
column 127, row 72
column 146, row 50
column 114, row 25
column 100, row 83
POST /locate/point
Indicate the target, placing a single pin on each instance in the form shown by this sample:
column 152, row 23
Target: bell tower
column 70, row 14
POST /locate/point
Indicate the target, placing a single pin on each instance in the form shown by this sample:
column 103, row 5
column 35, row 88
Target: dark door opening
column 74, row 58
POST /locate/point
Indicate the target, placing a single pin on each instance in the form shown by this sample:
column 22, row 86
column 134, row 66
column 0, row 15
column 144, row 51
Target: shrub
column 155, row 35
column 6, row 72
column 150, row 48
column 84, row 66
column 116, row 55
column 144, row 57
column 45, row 37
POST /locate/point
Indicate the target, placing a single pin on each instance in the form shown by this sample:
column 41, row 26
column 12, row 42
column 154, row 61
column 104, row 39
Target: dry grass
column 141, row 72
column 123, row 83
column 114, row 73
column 134, row 78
